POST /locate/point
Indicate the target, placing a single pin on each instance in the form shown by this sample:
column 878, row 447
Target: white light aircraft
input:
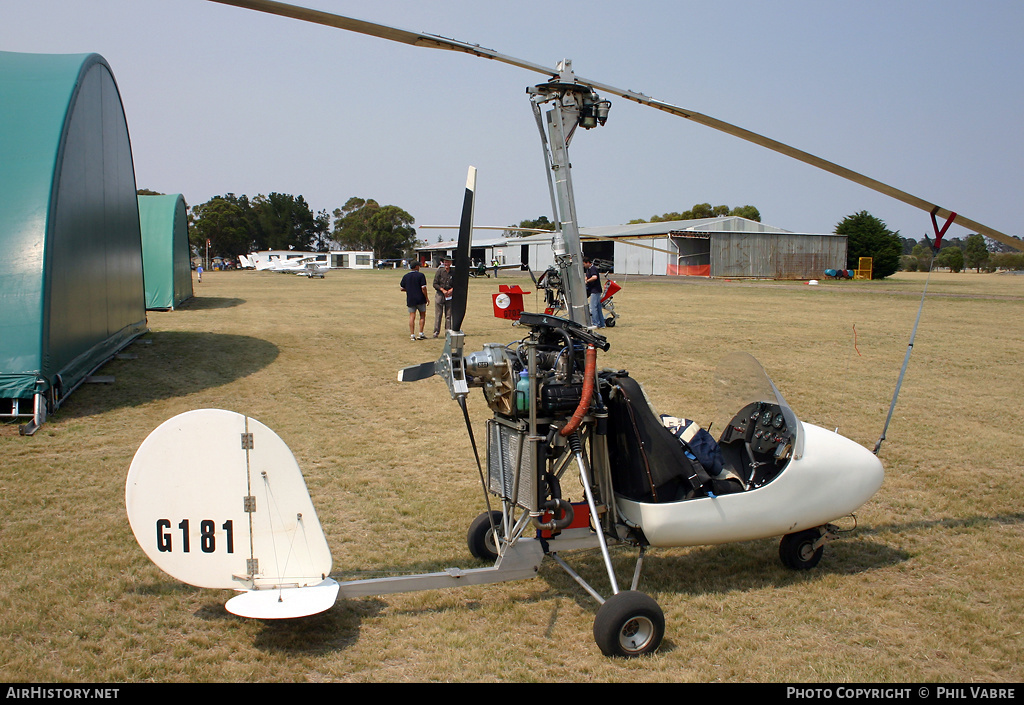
column 313, row 269
column 217, row 500
column 311, row 266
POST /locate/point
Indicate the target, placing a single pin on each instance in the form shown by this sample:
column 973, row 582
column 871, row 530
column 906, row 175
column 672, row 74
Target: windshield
column 740, row 381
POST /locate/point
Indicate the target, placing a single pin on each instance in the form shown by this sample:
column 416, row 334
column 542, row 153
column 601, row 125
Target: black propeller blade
column 414, row 373
column 461, row 276
column 438, row 42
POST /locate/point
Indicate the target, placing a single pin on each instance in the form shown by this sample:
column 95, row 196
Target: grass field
column 928, row 588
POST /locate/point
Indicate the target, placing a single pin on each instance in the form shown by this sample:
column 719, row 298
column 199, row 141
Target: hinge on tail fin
column 246, row 441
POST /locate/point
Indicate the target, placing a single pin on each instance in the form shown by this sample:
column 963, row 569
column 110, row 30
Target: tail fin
column 217, row 500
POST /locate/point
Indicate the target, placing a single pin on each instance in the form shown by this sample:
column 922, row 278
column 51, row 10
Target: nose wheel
column 629, row 624
column 802, row 550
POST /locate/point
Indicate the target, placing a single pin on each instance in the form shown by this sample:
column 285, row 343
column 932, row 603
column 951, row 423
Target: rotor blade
column 537, row 231
column 437, row 42
column 808, row 158
column 460, row 280
column 510, row 228
column 394, row 34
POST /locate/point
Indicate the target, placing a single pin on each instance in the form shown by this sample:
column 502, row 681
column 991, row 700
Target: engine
column 538, row 389
column 559, row 350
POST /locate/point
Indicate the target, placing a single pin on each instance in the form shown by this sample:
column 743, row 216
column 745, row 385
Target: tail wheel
column 629, row 624
column 797, row 550
column 481, row 539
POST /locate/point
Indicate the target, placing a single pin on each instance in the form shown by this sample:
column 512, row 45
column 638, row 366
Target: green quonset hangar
column 71, row 280
column 165, row 253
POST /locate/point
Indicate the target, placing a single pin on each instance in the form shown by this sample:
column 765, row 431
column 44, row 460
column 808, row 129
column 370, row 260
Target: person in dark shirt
column 592, row 277
column 414, row 284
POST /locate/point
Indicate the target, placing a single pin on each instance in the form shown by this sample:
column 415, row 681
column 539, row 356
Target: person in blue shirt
column 414, row 284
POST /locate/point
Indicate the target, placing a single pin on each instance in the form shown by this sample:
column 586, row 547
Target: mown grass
column 927, row 589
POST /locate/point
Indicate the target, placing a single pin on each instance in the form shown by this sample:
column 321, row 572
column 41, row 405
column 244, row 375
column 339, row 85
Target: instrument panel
column 762, row 424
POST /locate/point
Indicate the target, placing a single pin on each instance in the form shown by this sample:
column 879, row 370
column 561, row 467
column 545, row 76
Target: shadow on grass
column 327, row 632
column 753, row 565
column 204, row 303
column 169, row 364
column 946, row 523
column 743, row 566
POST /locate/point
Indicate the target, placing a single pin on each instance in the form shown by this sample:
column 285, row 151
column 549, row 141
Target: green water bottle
column 523, row 392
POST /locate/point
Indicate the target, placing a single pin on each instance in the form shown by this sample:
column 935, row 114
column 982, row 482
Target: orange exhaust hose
column 588, row 393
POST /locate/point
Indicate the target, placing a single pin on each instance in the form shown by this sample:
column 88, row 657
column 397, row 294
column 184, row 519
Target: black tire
column 797, row 550
column 629, row 624
column 480, row 538
column 610, row 322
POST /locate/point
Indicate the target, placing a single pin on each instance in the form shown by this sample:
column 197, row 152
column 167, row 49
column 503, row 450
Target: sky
column 924, row 95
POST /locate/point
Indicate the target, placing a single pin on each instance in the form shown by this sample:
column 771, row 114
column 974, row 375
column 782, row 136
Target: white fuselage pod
column 834, row 477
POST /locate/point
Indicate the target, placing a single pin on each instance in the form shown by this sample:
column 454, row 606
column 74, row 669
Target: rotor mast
column 573, row 104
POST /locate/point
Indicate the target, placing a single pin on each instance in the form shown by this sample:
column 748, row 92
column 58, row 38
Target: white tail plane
column 217, row 500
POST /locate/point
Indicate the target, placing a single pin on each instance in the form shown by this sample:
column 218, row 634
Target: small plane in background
column 313, row 270
column 309, row 266
column 303, row 265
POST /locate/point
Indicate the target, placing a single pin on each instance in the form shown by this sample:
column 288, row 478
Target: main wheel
column 797, row 550
column 629, row 624
column 480, row 537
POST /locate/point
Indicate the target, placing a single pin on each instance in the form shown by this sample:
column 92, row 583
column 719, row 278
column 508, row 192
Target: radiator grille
column 503, row 444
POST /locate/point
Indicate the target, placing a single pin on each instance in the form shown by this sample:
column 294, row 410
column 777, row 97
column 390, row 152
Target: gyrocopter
column 217, row 500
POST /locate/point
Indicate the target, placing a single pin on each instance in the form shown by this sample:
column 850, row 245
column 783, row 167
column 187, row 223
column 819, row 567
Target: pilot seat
column 651, row 463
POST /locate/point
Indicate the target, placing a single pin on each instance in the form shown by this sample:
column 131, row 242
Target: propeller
column 461, row 276
column 434, row 41
column 450, row 365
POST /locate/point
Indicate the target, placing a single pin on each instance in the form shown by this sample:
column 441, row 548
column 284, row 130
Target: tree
column 952, row 257
column 909, row 263
column 1007, row 260
column 286, row 222
column 352, row 223
column 975, row 252
column 867, row 236
column 363, row 224
column 748, row 212
column 539, row 223
column 234, row 225
column 923, row 255
column 705, row 210
column 226, row 222
column 997, row 246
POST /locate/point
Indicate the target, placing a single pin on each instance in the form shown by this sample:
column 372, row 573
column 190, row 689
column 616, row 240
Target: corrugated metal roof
column 720, row 224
